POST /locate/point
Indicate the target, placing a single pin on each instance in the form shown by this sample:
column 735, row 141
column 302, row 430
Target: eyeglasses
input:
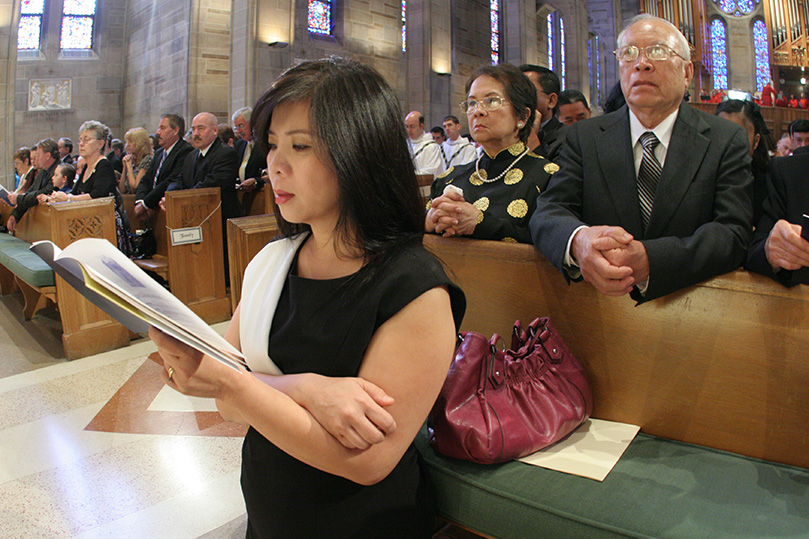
column 490, row 103
column 87, row 140
column 657, row 52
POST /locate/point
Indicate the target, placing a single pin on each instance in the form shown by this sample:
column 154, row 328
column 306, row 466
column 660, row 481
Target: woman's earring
column 520, row 125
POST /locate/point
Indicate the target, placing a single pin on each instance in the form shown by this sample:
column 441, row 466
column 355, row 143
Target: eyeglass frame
column 478, row 103
column 646, row 53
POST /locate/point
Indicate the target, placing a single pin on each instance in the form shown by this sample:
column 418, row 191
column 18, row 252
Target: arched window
column 594, row 64
column 719, row 52
column 556, row 54
column 320, row 17
column 404, row 25
column 494, row 17
column 762, row 53
column 78, row 23
column 739, row 8
column 29, row 31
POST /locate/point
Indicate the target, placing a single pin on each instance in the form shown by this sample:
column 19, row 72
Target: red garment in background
column 793, row 103
column 767, row 95
column 804, row 103
column 781, row 102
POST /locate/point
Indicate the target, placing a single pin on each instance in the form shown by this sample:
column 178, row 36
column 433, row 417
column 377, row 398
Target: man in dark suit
column 65, row 149
column 550, row 131
column 252, row 161
column 167, row 164
column 47, row 158
column 115, row 155
column 212, row 164
column 777, row 249
column 656, row 196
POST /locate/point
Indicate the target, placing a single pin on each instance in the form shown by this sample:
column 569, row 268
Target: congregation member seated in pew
column 499, row 188
column 23, row 164
column 656, row 196
column 548, row 133
column 748, row 115
column 47, row 157
column 778, row 250
column 96, row 179
column 355, row 285
column 252, row 160
column 62, row 181
column 65, row 146
column 572, row 107
column 137, row 160
column 167, row 164
column 227, row 135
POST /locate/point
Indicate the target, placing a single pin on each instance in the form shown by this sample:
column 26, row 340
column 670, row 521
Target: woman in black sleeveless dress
column 359, row 317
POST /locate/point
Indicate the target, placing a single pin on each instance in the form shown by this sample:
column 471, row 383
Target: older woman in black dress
column 348, row 301
column 96, row 178
column 493, row 197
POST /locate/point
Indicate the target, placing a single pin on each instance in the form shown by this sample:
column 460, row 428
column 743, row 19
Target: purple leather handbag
column 498, row 405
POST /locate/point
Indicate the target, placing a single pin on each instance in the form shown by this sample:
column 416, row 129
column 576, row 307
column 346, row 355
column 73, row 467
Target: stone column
column 519, row 32
column 10, row 13
column 429, row 52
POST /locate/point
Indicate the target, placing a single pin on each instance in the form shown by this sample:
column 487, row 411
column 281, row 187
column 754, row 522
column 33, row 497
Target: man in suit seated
column 778, row 250
column 251, row 160
column 47, row 158
column 212, row 163
column 656, row 196
column 549, row 135
column 65, row 149
column 166, row 165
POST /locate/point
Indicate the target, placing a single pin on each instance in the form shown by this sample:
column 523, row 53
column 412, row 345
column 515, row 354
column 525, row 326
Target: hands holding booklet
column 112, row 282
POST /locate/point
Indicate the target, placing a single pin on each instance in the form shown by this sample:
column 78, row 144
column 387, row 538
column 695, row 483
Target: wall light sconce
column 277, row 44
column 441, row 74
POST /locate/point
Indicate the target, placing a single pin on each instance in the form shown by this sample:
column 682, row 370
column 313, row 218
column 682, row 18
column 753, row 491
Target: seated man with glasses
column 493, row 197
column 655, row 196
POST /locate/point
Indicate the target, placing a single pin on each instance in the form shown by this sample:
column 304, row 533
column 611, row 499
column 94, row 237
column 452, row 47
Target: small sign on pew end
column 183, row 236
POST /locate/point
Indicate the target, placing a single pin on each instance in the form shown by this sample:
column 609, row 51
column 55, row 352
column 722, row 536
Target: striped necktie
column 648, row 175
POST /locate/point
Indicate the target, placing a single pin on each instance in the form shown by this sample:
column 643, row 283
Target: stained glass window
column 320, row 17
column 494, row 16
column 762, row 54
column 29, row 31
column 404, row 25
column 562, row 50
column 719, row 47
column 78, row 19
column 549, row 21
column 737, row 7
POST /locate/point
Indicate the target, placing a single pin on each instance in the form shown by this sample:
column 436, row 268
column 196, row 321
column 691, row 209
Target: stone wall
column 96, row 78
column 9, row 11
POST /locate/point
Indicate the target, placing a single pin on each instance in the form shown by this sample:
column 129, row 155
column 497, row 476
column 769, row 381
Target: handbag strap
column 544, row 335
column 495, row 366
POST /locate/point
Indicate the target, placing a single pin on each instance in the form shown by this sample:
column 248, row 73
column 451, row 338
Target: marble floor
column 99, row 447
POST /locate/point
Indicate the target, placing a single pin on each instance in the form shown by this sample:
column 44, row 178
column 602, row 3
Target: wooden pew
column 720, row 364
column 246, row 237
column 256, row 202
column 425, row 182
column 195, row 272
column 86, row 330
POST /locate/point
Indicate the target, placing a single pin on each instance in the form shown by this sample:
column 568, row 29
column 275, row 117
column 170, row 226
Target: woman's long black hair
column 358, row 126
column 752, row 114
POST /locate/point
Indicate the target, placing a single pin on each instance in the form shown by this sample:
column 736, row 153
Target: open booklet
column 4, row 196
column 112, row 282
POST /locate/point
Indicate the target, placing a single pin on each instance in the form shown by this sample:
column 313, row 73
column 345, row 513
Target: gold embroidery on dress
column 480, row 218
column 516, row 149
column 551, row 168
column 429, row 204
column 509, row 240
column 482, row 203
column 513, row 176
column 477, row 180
column 518, row 208
column 445, row 173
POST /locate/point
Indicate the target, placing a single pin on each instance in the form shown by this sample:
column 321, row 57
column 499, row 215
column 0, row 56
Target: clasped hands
column 451, row 215
column 785, row 248
column 56, row 196
column 350, row 409
column 610, row 259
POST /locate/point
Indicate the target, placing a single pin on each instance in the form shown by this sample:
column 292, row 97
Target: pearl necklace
column 477, row 170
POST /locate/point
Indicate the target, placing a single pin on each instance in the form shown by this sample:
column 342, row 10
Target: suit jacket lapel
column 687, row 148
column 617, row 163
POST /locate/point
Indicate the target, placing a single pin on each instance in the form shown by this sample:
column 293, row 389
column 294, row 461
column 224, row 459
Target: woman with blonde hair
column 137, row 159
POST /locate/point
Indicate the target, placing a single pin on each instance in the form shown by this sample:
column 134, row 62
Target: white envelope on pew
column 590, row 451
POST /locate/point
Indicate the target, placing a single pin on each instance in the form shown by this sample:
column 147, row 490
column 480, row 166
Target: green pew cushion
column 17, row 258
column 659, row 488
